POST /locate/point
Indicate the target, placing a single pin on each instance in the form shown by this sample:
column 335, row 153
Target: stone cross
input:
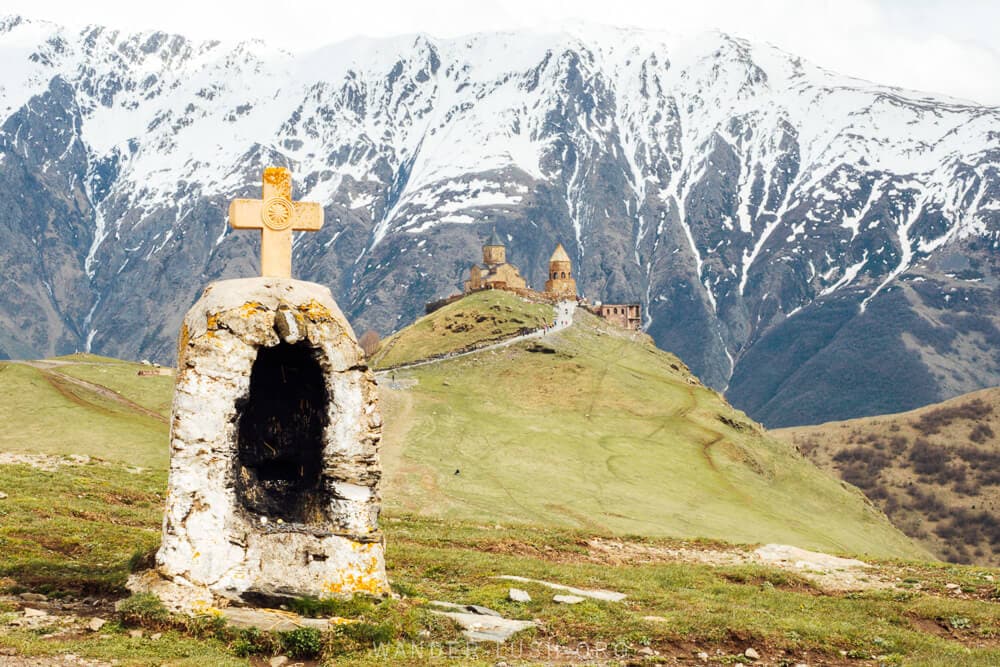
column 276, row 216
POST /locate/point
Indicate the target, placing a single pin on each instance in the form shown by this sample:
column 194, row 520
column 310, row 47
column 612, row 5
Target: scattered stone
column 33, row 597
column 135, row 634
column 37, row 461
column 96, row 624
column 467, row 608
column 752, row 654
column 596, row 594
column 483, row 611
column 655, row 619
column 830, row 572
column 952, row 587
column 567, row 599
column 272, row 620
column 278, row 661
column 517, row 595
column 3, row 495
column 8, row 651
column 156, row 635
column 34, row 613
column 702, row 656
column 645, row 650
column 484, row 628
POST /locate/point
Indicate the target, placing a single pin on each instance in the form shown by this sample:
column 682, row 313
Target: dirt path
column 826, row 572
column 54, row 376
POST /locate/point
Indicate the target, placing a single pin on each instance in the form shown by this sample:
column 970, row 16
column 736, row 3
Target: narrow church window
column 563, row 274
column 280, row 434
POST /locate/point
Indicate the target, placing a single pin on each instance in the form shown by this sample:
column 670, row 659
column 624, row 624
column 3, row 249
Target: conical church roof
column 559, row 255
column 494, row 240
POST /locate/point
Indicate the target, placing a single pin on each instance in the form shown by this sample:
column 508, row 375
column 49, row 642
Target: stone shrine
column 274, row 440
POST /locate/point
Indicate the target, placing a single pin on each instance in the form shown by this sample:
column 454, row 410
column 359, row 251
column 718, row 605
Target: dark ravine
column 819, row 247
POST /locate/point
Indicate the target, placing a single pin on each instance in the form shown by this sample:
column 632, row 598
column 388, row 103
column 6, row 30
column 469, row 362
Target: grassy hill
column 474, row 320
column 85, row 405
column 935, row 471
column 595, row 428
column 562, row 447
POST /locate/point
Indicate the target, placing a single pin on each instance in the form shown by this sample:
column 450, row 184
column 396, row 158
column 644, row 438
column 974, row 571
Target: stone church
column 495, row 272
column 561, row 281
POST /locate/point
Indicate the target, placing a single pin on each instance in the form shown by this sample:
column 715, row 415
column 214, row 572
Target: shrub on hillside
column 928, row 460
column 967, row 486
column 981, row 433
column 898, row 444
column 970, row 527
column 369, row 343
column 933, row 421
column 926, row 502
column 984, row 462
column 862, row 467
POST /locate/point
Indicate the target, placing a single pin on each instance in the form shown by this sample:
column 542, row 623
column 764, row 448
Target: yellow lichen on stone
column 315, row 311
column 365, row 579
column 250, row 308
column 280, row 179
column 182, row 342
column 205, row 608
column 337, row 620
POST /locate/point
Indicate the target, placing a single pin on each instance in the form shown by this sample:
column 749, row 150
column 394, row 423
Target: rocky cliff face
column 819, row 247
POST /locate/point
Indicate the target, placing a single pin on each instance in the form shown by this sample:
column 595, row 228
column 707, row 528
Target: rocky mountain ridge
column 819, row 247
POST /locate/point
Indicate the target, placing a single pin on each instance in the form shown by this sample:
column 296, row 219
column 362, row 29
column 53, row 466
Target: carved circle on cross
column 277, row 213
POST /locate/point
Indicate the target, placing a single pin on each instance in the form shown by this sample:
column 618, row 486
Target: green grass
column 476, row 319
column 114, row 514
column 43, row 411
column 153, row 392
column 76, row 529
column 607, row 433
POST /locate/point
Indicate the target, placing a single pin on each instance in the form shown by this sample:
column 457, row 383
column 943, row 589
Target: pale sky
column 950, row 47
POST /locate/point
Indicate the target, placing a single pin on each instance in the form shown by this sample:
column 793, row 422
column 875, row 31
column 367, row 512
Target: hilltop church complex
column 497, row 273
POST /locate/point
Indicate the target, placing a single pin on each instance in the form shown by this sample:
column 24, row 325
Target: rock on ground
column 517, row 595
column 596, row 594
column 484, row 628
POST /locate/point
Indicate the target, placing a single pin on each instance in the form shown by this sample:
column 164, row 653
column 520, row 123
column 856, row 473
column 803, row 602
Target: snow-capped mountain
column 820, row 246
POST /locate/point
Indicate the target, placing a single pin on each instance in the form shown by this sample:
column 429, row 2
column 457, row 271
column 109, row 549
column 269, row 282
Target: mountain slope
column 595, row 428
column 767, row 213
column 934, row 471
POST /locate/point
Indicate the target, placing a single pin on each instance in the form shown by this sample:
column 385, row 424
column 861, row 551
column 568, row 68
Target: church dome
column 494, row 240
column 559, row 255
